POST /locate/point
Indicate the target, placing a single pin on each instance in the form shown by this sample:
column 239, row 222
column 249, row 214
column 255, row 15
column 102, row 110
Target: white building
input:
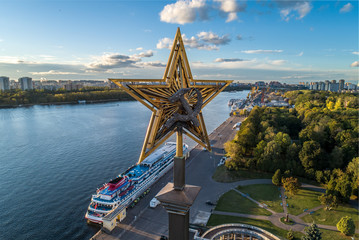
column 26, row 83
column 4, row 83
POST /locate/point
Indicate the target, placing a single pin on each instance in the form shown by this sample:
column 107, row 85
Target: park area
column 246, row 204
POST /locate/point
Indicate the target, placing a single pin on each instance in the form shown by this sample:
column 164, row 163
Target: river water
column 52, row 159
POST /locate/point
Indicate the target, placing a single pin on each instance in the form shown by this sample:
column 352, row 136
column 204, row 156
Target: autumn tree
column 330, row 201
column 291, row 185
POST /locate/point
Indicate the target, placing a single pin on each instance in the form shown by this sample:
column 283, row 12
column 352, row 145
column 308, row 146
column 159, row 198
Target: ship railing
column 117, row 210
column 137, row 189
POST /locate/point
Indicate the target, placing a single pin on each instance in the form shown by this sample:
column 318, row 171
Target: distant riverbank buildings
column 4, row 83
column 332, row 86
column 26, row 83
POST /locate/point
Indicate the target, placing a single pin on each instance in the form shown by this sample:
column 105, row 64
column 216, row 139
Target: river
column 52, row 158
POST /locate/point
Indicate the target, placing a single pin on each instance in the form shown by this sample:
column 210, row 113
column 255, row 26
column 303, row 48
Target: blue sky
column 287, row 41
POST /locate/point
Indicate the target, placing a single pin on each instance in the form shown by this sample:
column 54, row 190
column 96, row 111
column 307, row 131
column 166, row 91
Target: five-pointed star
column 156, row 95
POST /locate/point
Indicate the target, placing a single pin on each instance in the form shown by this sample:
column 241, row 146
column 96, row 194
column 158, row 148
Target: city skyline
column 287, row 41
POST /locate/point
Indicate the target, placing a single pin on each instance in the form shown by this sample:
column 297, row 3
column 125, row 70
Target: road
column 143, row 223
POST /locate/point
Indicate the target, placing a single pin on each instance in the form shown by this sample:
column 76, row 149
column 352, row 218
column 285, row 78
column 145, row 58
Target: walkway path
column 284, row 200
column 298, row 226
column 258, row 203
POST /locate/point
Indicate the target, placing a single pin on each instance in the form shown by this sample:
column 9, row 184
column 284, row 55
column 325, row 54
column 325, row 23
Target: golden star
column 176, row 100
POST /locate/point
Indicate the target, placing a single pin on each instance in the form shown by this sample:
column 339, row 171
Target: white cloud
column 356, row 53
column 148, row 53
column 204, row 41
column 164, row 43
column 139, row 48
column 295, row 77
column 111, row 60
column 228, row 60
column 346, row 8
column 152, row 64
column 260, row 51
column 291, row 8
column 213, row 38
column 355, row 64
column 277, row 62
column 300, row 54
column 231, row 7
column 10, row 59
column 182, row 11
column 54, row 72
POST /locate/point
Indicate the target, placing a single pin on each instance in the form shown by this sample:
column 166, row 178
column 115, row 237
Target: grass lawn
column 233, row 202
column 332, row 217
column 215, row 220
column 304, row 199
column 333, row 235
column 223, row 175
column 264, row 193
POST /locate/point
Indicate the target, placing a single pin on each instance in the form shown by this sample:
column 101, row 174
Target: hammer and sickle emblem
column 191, row 113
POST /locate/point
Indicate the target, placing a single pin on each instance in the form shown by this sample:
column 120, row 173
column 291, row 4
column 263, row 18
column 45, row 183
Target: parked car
column 208, row 202
column 154, row 203
column 237, row 125
column 222, row 161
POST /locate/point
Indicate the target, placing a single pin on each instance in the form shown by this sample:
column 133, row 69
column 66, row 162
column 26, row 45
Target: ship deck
column 136, row 171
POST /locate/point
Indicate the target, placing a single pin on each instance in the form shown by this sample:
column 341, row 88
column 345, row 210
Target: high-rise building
column 341, row 84
column 334, row 87
column 327, row 83
column 321, row 86
column 351, row 86
column 26, row 83
column 4, row 83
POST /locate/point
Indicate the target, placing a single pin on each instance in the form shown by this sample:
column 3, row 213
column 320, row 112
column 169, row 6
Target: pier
column 142, row 222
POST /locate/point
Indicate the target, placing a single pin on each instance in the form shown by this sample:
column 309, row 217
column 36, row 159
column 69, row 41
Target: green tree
column 346, row 226
column 312, row 233
column 291, row 185
column 330, row 201
column 276, row 179
column 271, row 157
column 336, row 158
column 290, row 235
column 353, row 172
column 311, row 155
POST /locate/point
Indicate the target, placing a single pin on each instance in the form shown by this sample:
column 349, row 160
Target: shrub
column 312, row 233
column 276, row 179
column 290, row 235
column 346, row 226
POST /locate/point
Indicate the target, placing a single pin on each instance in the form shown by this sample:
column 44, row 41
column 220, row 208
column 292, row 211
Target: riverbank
column 66, row 103
column 29, row 98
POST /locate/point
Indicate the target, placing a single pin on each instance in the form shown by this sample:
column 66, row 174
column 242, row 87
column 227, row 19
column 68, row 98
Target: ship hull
column 136, row 192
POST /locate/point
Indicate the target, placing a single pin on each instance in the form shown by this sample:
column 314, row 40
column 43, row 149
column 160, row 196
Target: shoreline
column 87, row 102
column 65, row 103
